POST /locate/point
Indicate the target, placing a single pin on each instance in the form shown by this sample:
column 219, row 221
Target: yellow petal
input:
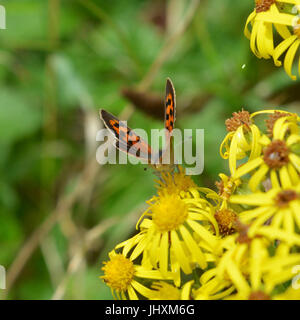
column 237, row 278
column 280, row 18
column 163, row 253
column 295, row 205
column 193, row 247
column 249, row 20
column 254, row 199
column 293, row 174
column 274, row 179
column 255, row 263
column 253, row 39
column 146, row 292
column 289, row 59
column 247, row 167
column 179, row 253
column 185, row 292
column 209, row 238
column 258, row 177
column 281, row 48
column 295, row 161
column 265, row 40
column 284, row 177
column 233, row 154
column 131, row 293
column 255, row 146
column 282, row 30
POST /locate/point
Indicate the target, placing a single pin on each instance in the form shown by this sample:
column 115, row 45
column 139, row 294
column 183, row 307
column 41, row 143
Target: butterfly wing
column 170, row 114
column 126, row 139
column 170, row 106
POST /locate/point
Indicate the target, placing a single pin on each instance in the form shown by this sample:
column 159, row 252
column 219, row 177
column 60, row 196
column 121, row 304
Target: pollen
column 284, row 197
column 165, row 291
column 263, row 5
column 169, row 212
column 276, row 155
column 238, row 119
column 226, row 219
column 118, row 273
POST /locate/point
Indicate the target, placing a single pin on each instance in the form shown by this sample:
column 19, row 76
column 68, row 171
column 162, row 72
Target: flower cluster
column 273, row 29
column 241, row 242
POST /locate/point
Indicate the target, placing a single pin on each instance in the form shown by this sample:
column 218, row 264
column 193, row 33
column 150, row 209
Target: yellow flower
column 253, row 272
column 124, row 277
column 241, row 141
column 174, row 183
column 279, row 158
column 290, row 45
column 279, row 207
column 179, row 235
column 266, row 16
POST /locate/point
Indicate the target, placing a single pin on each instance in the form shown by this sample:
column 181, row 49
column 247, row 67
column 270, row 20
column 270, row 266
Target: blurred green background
column 62, row 60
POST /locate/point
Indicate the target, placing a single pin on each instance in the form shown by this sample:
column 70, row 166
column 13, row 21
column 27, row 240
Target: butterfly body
column 126, row 140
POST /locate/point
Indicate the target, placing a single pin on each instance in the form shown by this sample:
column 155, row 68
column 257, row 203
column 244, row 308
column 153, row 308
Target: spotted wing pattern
column 126, row 139
column 170, row 106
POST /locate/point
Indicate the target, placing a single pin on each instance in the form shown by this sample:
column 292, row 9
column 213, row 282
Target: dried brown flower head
column 238, row 119
column 270, row 122
column 263, row 5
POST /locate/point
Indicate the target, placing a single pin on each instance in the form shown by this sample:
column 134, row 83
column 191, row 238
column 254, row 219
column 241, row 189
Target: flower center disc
column 276, row 155
column 118, row 273
column 263, row 5
column 169, row 213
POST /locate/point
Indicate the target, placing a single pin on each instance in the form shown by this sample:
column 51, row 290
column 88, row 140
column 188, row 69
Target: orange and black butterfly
column 128, row 141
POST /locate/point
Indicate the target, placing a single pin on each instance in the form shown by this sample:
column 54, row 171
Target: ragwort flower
column 124, row 277
column 252, row 270
column 267, row 16
column 279, row 160
column 278, row 207
column 241, row 141
column 179, row 234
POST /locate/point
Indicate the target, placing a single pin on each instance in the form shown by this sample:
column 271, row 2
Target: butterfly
column 126, row 140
